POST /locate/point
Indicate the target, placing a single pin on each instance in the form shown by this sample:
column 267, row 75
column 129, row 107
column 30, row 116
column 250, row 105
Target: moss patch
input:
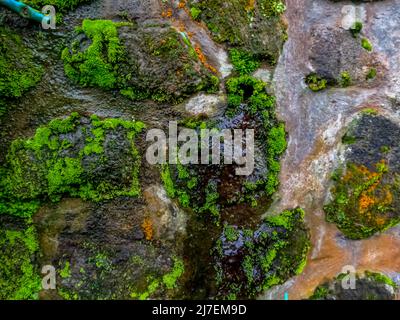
column 158, row 63
column 18, row 71
column 19, row 279
column 251, row 261
column 364, row 201
column 98, row 65
column 71, row 156
column 214, row 185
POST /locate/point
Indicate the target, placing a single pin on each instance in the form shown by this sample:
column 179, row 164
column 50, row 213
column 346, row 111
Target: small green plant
column 243, row 62
column 172, row 277
column 66, row 271
column 19, row 279
column 316, row 82
column 366, row 44
column 356, row 28
column 231, row 233
column 371, row 74
column 345, row 79
column 195, row 13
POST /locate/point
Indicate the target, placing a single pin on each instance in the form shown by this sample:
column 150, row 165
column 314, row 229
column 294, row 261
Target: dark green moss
column 368, row 286
column 249, row 262
column 366, row 44
column 66, row 157
column 18, row 71
column 19, row 279
column 246, row 95
column 356, row 28
column 61, row 6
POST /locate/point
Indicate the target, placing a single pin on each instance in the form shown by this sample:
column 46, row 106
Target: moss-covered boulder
column 253, row 26
column 368, row 286
column 217, row 186
column 153, row 62
column 78, row 156
column 251, row 261
column 366, row 191
column 118, row 249
column 343, row 58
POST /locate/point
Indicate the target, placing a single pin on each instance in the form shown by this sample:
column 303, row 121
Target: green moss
column 316, row 82
column 380, row 278
column 356, row 28
column 195, row 12
column 235, row 22
column 285, row 219
column 345, row 79
column 231, row 233
column 371, row 74
column 170, row 279
column 243, row 62
column 269, row 257
column 61, row 6
column 320, row 293
column 19, row 279
column 98, row 64
column 245, row 94
column 366, row 44
column 48, row 165
column 65, row 272
column 367, row 287
column 18, row 71
column 348, row 139
column 363, row 201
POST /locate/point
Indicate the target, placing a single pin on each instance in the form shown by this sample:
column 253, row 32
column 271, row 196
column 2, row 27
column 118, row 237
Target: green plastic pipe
column 25, row 11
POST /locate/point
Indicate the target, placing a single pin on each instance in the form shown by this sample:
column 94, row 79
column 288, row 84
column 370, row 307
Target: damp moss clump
column 243, row 61
column 218, row 186
column 18, row 71
column 364, row 200
column 19, row 279
column 251, row 261
column 315, row 82
column 82, row 157
column 99, row 64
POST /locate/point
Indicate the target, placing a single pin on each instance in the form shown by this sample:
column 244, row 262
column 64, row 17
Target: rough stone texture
column 334, row 50
column 376, row 138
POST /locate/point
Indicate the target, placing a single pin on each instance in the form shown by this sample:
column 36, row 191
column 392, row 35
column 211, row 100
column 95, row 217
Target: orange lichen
column 250, row 5
column 147, row 227
column 203, row 59
column 365, row 202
